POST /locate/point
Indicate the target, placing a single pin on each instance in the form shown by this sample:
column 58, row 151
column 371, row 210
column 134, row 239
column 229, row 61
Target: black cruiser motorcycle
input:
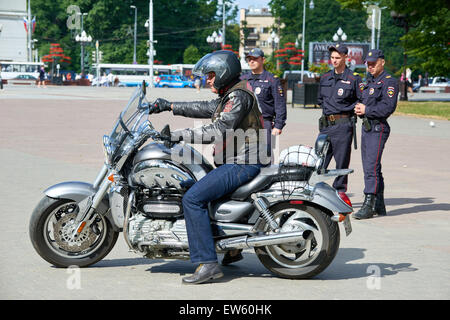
column 287, row 214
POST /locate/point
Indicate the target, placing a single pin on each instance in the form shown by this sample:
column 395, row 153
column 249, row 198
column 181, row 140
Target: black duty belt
column 332, row 119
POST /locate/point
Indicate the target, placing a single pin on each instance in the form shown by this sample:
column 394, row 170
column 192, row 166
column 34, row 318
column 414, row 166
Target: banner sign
column 357, row 51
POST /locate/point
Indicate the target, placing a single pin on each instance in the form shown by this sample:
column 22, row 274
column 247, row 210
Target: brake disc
column 63, row 230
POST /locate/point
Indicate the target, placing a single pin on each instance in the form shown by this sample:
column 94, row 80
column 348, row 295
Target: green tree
column 191, row 55
column 426, row 42
column 177, row 24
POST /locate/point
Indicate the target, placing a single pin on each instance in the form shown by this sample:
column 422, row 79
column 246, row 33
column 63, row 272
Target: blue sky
column 256, row 3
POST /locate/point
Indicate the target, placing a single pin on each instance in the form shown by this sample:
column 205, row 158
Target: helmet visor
column 210, row 63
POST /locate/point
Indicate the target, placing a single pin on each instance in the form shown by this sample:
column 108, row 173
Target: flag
column 25, row 23
column 33, row 24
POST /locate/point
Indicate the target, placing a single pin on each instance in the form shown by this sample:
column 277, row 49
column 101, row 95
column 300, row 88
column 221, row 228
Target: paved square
column 52, row 135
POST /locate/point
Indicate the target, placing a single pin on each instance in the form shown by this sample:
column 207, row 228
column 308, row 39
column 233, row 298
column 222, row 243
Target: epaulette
column 355, row 73
column 387, row 77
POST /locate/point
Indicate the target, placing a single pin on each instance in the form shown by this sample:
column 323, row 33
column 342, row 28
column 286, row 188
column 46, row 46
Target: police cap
column 342, row 49
column 256, row 52
column 373, row 55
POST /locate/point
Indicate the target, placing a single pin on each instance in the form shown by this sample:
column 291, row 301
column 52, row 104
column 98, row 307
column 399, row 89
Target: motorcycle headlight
column 107, row 149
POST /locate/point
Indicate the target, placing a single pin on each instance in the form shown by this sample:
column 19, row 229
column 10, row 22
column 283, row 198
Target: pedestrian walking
column 270, row 94
column 379, row 100
column 41, row 78
column 339, row 91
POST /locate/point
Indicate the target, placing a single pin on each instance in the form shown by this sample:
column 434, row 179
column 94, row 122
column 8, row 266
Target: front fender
column 327, row 197
column 76, row 191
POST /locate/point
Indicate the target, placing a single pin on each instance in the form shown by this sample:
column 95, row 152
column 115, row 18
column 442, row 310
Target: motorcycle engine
column 158, row 238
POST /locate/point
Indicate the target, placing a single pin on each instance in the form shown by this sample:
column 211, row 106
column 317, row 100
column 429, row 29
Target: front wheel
column 309, row 257
column 51, row 227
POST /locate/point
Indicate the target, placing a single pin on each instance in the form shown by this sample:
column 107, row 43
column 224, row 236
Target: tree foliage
column 426, row 42
column 177, row 25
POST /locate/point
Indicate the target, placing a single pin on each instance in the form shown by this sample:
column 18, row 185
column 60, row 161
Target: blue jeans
column 217, row 183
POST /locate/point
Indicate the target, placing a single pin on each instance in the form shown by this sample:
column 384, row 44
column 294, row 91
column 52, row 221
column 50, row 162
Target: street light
column 274, row 40
column 311, row 6
column 135, row 30
column 151, row 52
column 82, row 38
column 214, row 38
column 403, row 20
column 339, row 34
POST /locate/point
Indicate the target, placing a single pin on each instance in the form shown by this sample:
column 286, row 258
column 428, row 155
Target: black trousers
column 341, row 135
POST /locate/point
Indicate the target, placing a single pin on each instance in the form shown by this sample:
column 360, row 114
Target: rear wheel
column 51, row 227
column 308, row 257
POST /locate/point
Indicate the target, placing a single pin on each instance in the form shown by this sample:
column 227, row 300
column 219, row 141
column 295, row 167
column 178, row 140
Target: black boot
column 232, row 256
column 380, row 208
column 203, row 273
column 368, row 208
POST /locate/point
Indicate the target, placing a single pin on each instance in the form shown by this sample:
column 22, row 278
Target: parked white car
column 439, row 82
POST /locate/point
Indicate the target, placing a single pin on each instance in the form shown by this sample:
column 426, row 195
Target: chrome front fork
column 89, row 205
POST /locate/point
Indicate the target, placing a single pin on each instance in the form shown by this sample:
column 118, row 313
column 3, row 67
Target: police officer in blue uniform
column 379, row 100
column 269, row 92
column 339, row 91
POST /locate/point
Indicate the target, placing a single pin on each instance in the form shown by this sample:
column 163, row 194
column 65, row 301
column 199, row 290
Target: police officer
column 269, row 92
column 379, row 100
column 339, row 91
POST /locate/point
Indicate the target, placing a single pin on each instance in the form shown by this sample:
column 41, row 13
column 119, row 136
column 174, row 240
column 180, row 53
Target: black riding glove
column 160, row 105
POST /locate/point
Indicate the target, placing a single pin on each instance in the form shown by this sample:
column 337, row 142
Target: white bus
column 133, row 74
column 129, row 74
column 11, row 69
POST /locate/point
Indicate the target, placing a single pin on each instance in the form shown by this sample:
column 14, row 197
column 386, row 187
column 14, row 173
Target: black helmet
column 223, row 63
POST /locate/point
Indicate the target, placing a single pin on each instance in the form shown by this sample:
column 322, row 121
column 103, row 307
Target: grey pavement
column 53, row 135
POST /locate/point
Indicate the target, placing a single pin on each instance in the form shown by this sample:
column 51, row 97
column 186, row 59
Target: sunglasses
column 250, row 58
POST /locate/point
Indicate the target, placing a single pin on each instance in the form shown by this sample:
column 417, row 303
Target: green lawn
column 440, row 110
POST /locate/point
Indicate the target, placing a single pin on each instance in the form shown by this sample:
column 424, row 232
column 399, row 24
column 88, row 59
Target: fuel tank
column 155, row 165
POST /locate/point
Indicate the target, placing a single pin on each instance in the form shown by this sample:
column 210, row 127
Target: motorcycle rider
column 235, row 112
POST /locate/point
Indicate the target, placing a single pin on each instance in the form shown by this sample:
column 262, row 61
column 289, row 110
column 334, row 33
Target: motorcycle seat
column 270, row 175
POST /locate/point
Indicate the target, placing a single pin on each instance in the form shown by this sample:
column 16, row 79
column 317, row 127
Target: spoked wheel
column 51, row 227
column 308, row 257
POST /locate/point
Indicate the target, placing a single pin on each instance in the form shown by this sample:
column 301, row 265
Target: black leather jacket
column 235, row 128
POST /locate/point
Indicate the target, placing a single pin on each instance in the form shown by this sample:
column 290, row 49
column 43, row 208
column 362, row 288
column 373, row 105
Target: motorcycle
column 287, row 213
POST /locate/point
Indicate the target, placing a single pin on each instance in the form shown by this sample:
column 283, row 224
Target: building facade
column 256, row 25
column 13, row 37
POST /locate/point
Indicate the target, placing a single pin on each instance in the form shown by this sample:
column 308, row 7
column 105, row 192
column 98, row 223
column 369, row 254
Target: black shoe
column 232, row 256
column 380, row 207
column 368, row 208
column 203, row 273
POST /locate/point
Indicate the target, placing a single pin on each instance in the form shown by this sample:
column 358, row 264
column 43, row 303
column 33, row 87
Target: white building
column 13, row 37
column 260, row 23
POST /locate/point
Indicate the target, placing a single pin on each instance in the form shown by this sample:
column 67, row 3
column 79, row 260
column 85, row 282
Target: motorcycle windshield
column 130, row 119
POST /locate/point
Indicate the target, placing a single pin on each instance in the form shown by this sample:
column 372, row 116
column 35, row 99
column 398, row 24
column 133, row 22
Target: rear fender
column 327, row 197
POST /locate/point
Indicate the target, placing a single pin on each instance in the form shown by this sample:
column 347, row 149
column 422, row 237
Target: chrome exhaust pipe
column 246, row 242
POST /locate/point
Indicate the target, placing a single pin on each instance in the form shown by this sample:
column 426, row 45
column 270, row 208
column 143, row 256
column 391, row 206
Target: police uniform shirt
column 380, row 96
column 338, row 93
column 269, row 92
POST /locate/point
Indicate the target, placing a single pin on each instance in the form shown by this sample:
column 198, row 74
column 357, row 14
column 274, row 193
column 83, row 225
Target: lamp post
column 311, row 6
column 402, row 20
column 151, row 52
column 274, row 40
column 83, row 39
column 135, row 31
column 339, row 35
column 214, row 39
column 223, row 23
